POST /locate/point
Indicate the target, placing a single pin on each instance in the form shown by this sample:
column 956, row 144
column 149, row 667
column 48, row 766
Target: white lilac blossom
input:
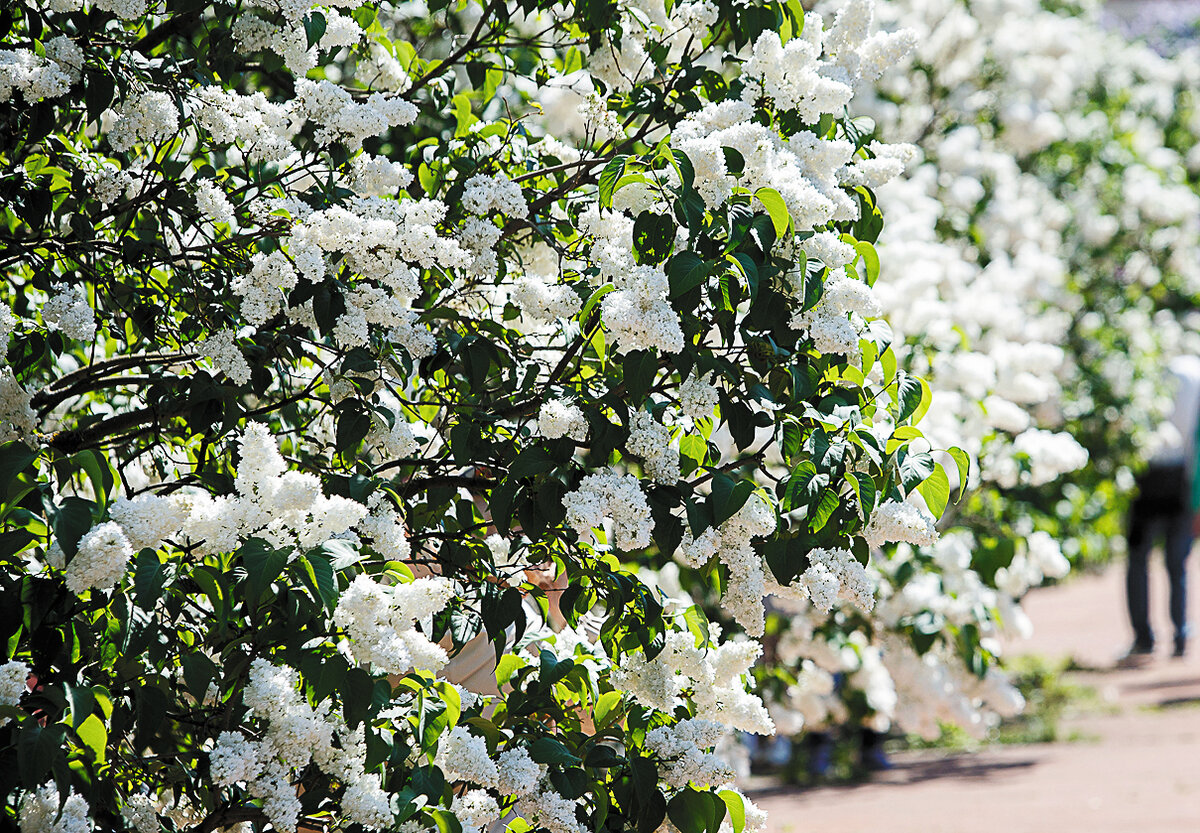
column 45, row 811
column 141, row 812
column 295, row 734
column 33, row 76
column 101, row 560
column 682, row 752
column 713, row 677
column 697, row 398
column 608, row 495
column 68, row 310
column 732, row 544
column 651, row 440
column 559, row 418
column 213, row 204
column 550, row 810
column 900, row 521
column 537, row 297
column 17, row 418
column 464, row 757
column 149, row 520
column 380, row 621
column 221, row 348
column 835, row 574
column 13, row 675
column 150, row 118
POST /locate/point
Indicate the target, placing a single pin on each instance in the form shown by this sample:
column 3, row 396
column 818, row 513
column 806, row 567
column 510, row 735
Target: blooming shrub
column 1039, row 268
column 358, row 355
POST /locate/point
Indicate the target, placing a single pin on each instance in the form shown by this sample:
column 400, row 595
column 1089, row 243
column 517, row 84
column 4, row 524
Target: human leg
column 1176, row 550
column 1137, row 584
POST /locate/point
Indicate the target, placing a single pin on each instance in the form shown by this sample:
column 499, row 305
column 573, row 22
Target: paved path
column 1135, row 770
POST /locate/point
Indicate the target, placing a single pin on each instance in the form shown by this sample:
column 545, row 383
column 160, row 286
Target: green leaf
column 72, row 520
column 870, row 260
column 697, row 623
column 963, row 461
column 321, row 573
column 653, row 236
column 606, row 708
column 37, row 748
column 936, row 491
column 353, row 423
column 314, row 28
column 357, row 690
column 696, row 812
column 728, row 496
column 639, row 367
column 94, row 736
column 81, row 701
column 737, row 809
column 776, row 208
column 594, row 299
column 263, row 565
column 148, row 578
column 531, row 461
column 608, row 179
column 198, row 672
column 909, row 391
column 553, row 752
column 824, row 510
column 99, row 94
column 95, row 465
column 685, row 272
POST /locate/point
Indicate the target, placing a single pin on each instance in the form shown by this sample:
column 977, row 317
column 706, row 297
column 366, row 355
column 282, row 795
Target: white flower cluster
column 261, row 290
column 651, row 440
column 697, row 398
column 637, row 312
column 560, row 418
column 149, row 118
column 213, row 204
column 263, row 129
column 342, row 119
column 464, row 757
column 608, row 495
column 12, row 684
column 17, row 419
column 149, row 520
column 713, row 678
column 681, row 749
column 836, row 574
column 542, row 299
column 40, row 812
column 731, row 543
column 394, row 442
column 484, row 194
column 1040, row 558
column 900, row 521
column 294, row 735
column 103, row 556
column 835, row 323
column 221, row 348
column 68, row 310
column 377, row 176
column 795, row 77
column 380, row 623
column 141, row 811
column 33, row 76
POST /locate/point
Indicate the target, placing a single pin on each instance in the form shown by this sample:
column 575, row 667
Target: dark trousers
column 1175, row 531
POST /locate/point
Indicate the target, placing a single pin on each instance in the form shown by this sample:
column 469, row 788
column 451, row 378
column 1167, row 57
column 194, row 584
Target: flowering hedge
column 1040, row 268
column 359, row 355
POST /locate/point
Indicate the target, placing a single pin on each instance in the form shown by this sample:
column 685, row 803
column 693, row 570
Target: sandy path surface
column 1135, row 770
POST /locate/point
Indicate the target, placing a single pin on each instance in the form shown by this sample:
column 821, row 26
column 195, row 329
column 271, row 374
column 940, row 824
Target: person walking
column 1166, row 509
